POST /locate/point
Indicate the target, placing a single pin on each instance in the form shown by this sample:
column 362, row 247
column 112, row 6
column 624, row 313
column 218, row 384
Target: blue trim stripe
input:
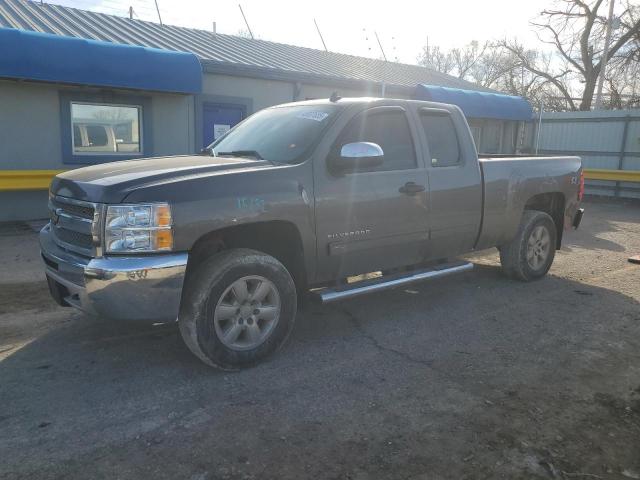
column 476, row 104
column 53, row 58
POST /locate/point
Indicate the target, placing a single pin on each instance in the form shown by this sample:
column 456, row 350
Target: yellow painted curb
column 16, row 180
column 614, row 175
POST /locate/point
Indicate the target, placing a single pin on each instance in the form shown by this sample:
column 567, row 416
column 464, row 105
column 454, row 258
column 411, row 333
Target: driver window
column 391, row 131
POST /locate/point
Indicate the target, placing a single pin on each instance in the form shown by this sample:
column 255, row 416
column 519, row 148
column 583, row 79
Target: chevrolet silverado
column 297, row 199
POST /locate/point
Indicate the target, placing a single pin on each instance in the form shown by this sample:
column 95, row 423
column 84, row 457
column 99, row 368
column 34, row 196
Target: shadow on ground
column 475, row 376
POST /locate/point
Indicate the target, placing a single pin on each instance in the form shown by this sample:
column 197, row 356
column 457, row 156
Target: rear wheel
column 530, row 254
column 238, row 307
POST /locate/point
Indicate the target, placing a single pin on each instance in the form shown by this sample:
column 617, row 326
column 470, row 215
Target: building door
column 218, row 118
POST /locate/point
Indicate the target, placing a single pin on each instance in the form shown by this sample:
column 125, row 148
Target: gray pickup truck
column 299, row 198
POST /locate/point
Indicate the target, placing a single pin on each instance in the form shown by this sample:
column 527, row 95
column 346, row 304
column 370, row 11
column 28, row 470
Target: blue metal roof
column 476, row 104
column 54, row 58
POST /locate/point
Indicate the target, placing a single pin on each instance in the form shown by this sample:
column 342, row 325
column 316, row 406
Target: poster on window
column 220, row 129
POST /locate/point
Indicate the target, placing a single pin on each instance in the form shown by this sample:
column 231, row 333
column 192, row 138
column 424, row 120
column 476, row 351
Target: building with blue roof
column 79, row 87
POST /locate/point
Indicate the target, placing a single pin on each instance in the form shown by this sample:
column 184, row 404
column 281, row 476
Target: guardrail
column 17, row 180
column 613, row 175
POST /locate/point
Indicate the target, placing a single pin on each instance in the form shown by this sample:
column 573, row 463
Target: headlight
column 138, row 228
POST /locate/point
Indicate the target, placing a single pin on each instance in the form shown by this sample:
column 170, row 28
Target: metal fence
column 607, row 141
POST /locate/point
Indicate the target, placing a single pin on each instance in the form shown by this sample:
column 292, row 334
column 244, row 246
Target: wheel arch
column 279, row 238
column 552, row 203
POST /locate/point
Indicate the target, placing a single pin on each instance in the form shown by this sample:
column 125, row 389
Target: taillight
column 581, row 188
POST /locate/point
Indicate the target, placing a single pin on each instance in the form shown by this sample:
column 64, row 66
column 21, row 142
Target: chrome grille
column 75, row 225
column 75, row 238
column 84, row 211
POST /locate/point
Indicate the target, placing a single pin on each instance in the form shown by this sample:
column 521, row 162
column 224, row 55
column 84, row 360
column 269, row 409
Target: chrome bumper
column 119, row 287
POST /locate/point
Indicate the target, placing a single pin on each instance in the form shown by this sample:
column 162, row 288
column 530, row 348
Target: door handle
column 411, row 188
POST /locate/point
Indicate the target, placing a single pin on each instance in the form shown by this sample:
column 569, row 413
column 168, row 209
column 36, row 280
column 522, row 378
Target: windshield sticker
column 317, row 116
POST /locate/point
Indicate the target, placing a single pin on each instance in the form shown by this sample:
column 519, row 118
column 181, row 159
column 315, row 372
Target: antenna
column 158, row 10
column 380, row 45
column 319, row 33
column 245, row 21
column 215, row 29
column 130, row 13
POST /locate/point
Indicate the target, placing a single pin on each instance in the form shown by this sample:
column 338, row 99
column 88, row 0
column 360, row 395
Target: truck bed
column 509, row 182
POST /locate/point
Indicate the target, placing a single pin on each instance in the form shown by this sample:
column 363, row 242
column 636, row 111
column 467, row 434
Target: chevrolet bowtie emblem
column 55, row 217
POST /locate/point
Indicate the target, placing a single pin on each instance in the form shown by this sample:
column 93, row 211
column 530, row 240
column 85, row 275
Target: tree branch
column 551, row 78
column 559, row 46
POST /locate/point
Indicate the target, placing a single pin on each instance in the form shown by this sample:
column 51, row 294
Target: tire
column 530, row 254
column 230, row 326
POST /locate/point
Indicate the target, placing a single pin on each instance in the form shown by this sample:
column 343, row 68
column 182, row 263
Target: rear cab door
column 455, row 182
column 369, row 220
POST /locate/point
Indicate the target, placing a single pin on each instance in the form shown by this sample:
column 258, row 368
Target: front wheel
column 238, row 306
column 530, row 254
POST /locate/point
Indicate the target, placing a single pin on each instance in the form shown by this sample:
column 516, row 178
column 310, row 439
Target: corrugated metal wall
column 604, row 139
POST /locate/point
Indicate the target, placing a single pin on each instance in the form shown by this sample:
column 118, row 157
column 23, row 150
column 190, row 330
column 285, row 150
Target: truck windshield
column 281, row 134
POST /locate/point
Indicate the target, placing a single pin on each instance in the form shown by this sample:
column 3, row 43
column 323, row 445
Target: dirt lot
column 474, row 377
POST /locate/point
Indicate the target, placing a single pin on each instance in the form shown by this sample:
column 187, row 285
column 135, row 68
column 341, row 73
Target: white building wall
column 264, row 93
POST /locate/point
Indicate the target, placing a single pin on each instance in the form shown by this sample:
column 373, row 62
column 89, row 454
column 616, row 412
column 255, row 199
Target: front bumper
column 119, row 287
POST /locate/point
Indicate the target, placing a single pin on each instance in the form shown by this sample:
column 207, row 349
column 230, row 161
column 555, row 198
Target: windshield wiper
column 241, row 153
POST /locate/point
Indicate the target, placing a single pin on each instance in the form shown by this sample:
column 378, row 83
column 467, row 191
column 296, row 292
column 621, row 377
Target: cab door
column 377, row 218
column 455, row 195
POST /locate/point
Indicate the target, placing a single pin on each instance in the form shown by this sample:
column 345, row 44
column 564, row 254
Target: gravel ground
column 473, row 376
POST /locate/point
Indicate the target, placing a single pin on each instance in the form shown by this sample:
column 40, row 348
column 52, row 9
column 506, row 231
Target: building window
column 104, row 126
column 105, row 129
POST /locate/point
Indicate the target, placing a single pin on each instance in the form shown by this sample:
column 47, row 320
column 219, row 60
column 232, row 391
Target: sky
column 403, row 26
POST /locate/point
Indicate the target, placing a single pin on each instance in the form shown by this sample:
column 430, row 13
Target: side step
column 327, row 295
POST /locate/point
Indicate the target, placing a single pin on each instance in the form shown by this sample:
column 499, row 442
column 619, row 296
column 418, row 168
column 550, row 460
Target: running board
column 327, row 295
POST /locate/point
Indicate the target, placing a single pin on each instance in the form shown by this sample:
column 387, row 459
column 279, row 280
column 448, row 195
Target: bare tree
column 460, row 62
column 436, row 59
column 623, row 82
column 576, row 30
column 488, row 65
column 468, row 57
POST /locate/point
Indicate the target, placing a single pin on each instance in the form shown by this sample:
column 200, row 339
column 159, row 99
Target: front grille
column 83, row 211
column 73, row 224
column 74, row 238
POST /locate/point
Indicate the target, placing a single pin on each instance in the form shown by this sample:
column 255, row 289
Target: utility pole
column 245, row 21
column 380, row 45
column 605, row 54
column 320, row 34
column 158, row 10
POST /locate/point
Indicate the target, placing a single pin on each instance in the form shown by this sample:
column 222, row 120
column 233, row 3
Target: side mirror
column 358, row 156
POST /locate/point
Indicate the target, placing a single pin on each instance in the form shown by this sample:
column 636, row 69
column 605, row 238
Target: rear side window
column 391, row 131
column 442, row 139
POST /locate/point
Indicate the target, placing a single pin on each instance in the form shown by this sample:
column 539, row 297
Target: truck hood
column 112, row 182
